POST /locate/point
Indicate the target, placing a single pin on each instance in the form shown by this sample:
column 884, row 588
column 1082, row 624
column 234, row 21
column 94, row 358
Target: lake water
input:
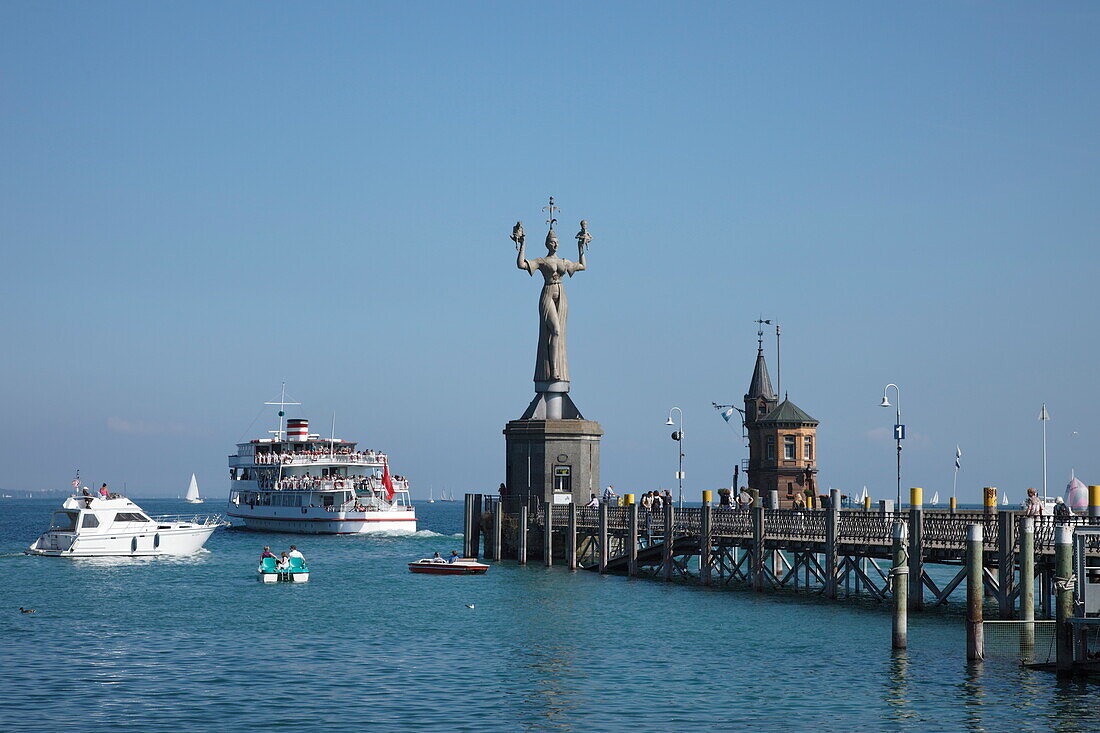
column 198, row 644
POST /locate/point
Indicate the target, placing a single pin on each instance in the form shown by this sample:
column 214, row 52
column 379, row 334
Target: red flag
column 387, row 482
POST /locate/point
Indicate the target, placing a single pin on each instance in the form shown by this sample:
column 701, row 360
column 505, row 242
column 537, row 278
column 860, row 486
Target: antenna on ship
column 282, row 403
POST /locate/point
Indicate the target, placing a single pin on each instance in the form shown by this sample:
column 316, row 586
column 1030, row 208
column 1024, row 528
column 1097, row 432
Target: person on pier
column 595, row 502
column 1034, row 506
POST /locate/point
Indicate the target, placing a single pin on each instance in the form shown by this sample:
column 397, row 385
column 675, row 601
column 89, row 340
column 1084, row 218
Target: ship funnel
column 297, row 429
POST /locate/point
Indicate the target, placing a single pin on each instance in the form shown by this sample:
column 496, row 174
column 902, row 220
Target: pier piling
column 1027, row 582
column 521, row 536
column 498, row 531
column 832, row 524
column 975, row 636
column 604, row 549
column 1005, row 562
column 1063, row 585
column 916, row 548
column 900, row 577
column 468, row 526
column 548, row 536
column 669, row 540
column 756, row 551
column 632, row 539
column 571, row 537
column 705, row 539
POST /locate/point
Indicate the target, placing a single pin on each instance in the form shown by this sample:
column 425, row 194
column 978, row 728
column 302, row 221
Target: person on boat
column 437, row 558
column 294, row 552
column 268, row 553
column 454, row 556
column 103, row 491
column 284, row 562
column 1034, row 506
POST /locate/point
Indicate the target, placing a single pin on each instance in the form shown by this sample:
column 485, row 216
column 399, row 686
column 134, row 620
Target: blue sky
column 202, row 200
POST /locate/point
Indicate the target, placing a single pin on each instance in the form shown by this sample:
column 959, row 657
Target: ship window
column 130, row 517
column 64, row 521
column 89, row 521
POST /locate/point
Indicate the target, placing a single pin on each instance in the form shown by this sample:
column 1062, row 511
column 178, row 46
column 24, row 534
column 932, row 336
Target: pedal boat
column 439, row 566
column 296, row 573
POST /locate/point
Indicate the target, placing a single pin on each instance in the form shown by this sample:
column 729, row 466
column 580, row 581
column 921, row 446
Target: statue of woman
column 551, row 364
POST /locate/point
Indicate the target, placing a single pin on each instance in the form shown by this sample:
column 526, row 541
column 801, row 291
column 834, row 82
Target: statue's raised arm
column 583, row 238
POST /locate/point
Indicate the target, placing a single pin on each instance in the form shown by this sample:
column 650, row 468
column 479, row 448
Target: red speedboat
column 438, row 566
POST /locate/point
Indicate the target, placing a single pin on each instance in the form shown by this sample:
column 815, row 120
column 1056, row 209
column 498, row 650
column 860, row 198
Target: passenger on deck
column 454, row 556
column 284, row 563
column 103, row 491
column 295, row 553
column 594, row 503
column 437, row 558
column 267, row 553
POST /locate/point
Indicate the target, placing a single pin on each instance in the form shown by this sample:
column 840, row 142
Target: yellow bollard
column 916, row 498
column 629, row 499
column 952, row 505
column 990, row 499
column 1094, row 501
column 706, row 496
column 867, row 503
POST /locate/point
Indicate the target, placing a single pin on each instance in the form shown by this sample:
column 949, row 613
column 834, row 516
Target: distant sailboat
column 935, row 499
column 193, row 492
column 446, row 497
column 1004, row 498
column 431, row 496
column 863, row 496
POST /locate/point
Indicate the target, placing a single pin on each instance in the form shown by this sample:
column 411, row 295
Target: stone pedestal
column 556, row 460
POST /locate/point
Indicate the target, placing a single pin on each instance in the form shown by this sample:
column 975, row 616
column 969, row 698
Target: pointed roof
column 788, row 411
column 761, row 385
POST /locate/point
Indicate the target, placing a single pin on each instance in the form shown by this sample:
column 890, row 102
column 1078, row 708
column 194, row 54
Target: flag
column 958, row 455
column 387, row 482
column 727, row 414
column 1043, row 414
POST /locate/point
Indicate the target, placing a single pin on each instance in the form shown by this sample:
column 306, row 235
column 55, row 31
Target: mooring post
column 756, row 552
column 521, row 536
column 1027, row 581
column 548, row 534
column 705, row 539
column 989, row 499
column 604, row 549
column 916, row 549
column 1094, row 501
column 953, row 506
column 632, row 541
column 670, row 539
column 773, row 499
column 571, row 537
column 1063, row 585
column 467, row 525
column 867, row 503
column 832, row 524
column 478, row 504
column 756, row 500
column 899, row 578
column 498, row 530
column 975, row 635
column 1006, row 563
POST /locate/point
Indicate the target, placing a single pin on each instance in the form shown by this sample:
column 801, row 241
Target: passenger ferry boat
column 297, row 482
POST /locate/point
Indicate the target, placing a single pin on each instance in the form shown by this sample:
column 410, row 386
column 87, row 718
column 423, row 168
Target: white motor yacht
column 114, row 526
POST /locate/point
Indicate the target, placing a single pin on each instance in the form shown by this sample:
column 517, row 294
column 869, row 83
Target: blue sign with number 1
column 899, row 432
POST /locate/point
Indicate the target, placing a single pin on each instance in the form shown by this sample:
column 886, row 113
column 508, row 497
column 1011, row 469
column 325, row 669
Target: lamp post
column 678, row 436
column 899, row 432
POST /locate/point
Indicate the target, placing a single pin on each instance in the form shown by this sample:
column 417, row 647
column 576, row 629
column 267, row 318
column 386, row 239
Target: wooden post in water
column 1027, row 583
column 899, row 578
column 467, row 525
column 832, row 524
column 1063, row 570
column 521, row 536
column 548, row 534
column 756, row 552
column 571, row 537
column 477, row 526
column 498, row 530
column 632, row 540
column 670, row 538
column 706, row 539
column 1006, row 562
column 916, row 549
column 975, row 635
column 604, row 549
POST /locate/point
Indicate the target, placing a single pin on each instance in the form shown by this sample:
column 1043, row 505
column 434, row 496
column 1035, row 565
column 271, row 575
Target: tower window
column 771, row 448
column 808, row 448
column 788, row 447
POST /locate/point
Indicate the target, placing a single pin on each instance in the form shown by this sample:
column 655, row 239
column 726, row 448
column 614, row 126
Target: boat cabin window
column 89, row 521
column 130, row 517
column 63, row 521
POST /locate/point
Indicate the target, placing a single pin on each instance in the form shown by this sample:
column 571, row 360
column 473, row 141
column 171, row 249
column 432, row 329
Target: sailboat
column 446, row 497
column 431, row 496
column 193, row 492
column 1004, row 498
column 863, row 496
column 935, row 499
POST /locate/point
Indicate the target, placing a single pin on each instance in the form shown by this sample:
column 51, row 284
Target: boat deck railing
column 202, row 520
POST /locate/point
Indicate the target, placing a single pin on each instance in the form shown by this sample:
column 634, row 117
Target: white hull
column 194, row 501
column 315, row 520
column 123, row 544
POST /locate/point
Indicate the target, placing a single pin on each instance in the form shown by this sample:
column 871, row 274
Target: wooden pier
column 835, row 553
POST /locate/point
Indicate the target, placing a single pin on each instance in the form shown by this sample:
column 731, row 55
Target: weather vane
column 551, row 210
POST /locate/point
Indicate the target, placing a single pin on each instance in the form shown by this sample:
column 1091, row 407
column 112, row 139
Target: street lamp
column 678, row 436
column 899, row 431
